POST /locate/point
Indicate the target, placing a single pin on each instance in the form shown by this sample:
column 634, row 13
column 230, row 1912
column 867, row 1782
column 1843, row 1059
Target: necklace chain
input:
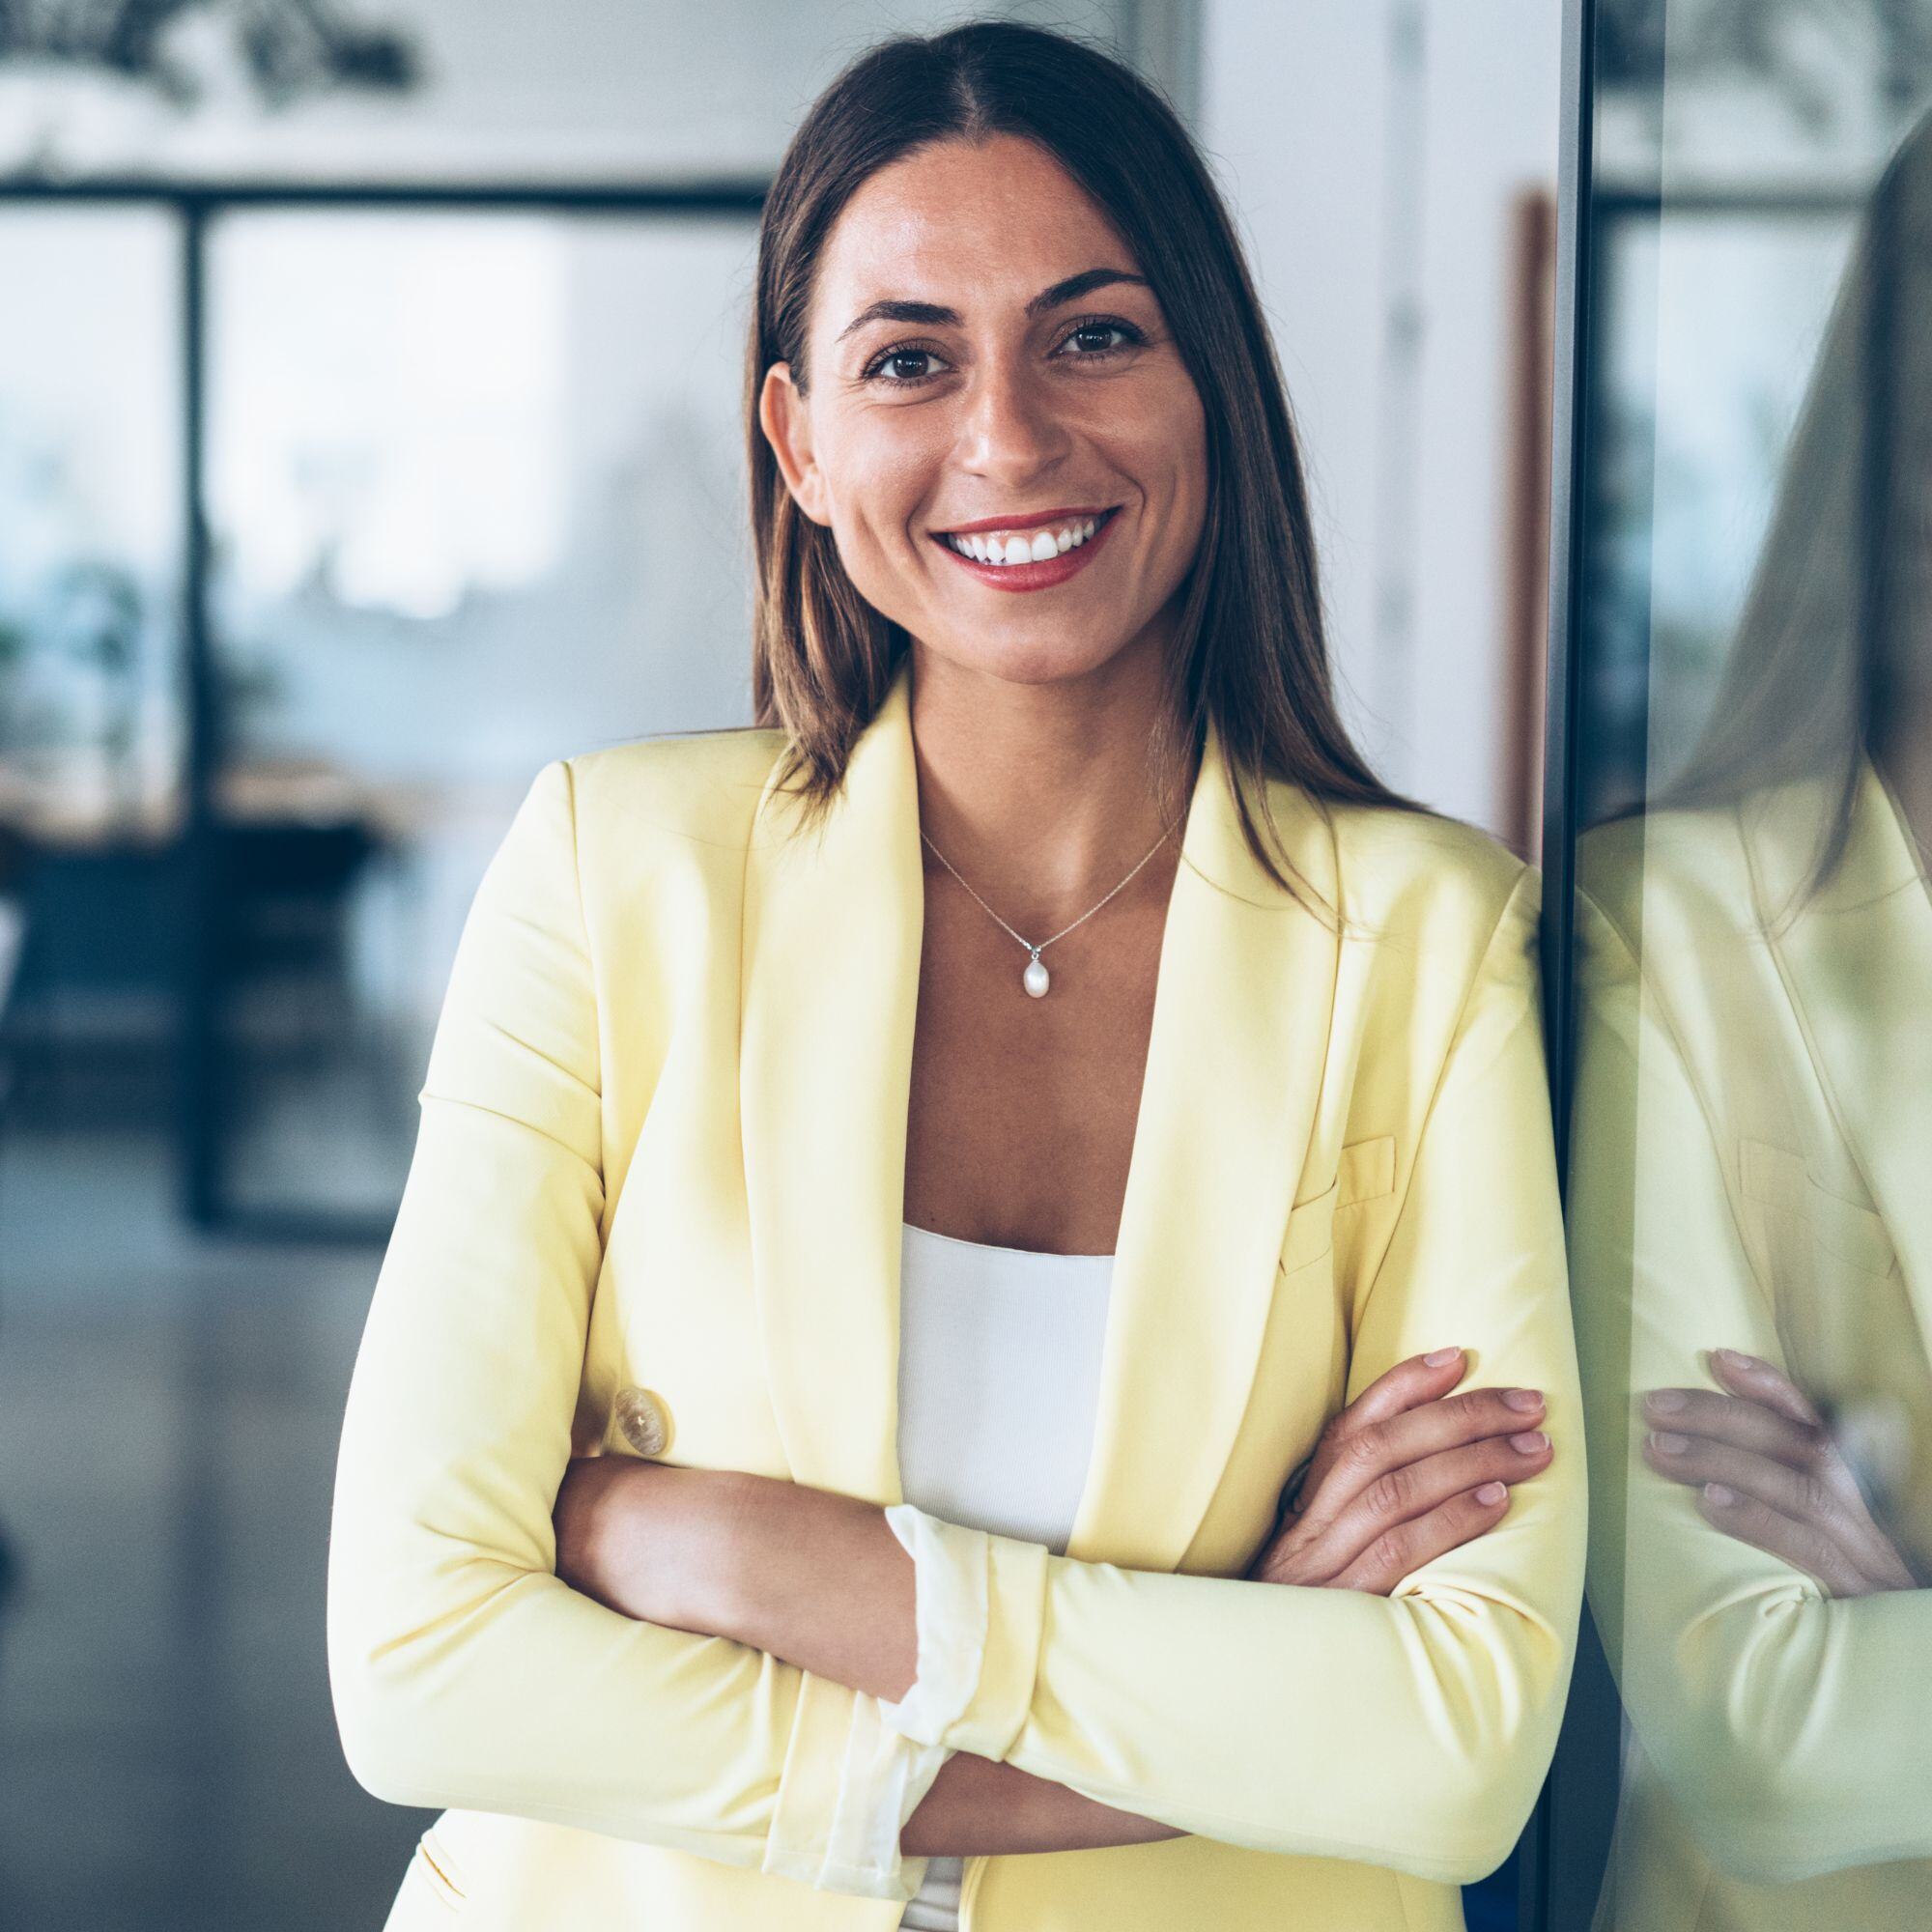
column 1036, row 949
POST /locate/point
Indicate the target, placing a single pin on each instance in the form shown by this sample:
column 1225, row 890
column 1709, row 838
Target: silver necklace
column 1035, row 978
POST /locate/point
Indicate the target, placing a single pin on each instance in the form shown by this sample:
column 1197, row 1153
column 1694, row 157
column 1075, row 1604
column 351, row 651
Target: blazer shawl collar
column 1857, row 966
column 833, row 920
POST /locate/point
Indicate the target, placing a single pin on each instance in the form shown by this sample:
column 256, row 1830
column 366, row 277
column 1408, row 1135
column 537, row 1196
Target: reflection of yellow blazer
column 1752, row 1168
column 663, row 1144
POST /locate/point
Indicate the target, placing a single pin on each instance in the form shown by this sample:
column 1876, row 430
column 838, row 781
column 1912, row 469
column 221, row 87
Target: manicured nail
column 1492, row 1494
column 1665, row 1402
column 1715, row 1493
column 1440, row 1358
column 1532, row 1443
column 1525, row 1398
column 1668, row 1444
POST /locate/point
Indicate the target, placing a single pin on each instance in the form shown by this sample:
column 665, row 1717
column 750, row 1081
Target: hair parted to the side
column 1250, row 652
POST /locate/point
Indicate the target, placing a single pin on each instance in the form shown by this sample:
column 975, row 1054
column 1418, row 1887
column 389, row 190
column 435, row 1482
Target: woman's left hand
column 1769, row 1474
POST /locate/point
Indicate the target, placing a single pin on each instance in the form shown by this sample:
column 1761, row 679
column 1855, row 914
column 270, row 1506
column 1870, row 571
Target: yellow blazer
column 1752, row 1168
column 663, row 1144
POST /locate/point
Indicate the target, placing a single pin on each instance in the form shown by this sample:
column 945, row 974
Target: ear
column 786, row 421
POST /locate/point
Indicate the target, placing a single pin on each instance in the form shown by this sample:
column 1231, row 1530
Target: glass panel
column 90, row 715
column 475, row 483
column 1751, row 1179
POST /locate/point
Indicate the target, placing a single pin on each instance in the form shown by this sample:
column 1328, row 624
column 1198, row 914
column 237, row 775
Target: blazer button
column 643, row 1419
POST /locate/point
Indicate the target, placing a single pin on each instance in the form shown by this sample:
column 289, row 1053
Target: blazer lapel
column 1239, row 1040
column 1857, row 965
column 833, row 920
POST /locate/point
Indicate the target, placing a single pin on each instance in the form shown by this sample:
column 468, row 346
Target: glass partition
column 1749, row 1054
column 474, row 482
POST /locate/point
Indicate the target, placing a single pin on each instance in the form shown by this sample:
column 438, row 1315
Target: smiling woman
column 894, row 1413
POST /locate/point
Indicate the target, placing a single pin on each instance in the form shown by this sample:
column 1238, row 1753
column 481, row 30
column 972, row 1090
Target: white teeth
column 1044, row 544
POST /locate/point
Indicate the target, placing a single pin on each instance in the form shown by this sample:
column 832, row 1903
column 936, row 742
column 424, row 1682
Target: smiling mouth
column 1022, row 544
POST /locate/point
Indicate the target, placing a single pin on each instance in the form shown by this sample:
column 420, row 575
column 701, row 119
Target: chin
column 1024, row 660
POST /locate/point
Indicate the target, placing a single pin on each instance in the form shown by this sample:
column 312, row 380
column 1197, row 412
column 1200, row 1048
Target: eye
column 1092, row 335
column 903, row 366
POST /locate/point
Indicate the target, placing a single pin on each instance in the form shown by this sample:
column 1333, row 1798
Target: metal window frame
column 200, row 1070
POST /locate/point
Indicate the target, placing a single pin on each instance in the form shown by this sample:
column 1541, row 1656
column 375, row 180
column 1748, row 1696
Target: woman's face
column 986, row 373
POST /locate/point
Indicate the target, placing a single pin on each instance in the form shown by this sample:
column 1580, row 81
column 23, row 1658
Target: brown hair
column 1837, row 606
column 1250, row 650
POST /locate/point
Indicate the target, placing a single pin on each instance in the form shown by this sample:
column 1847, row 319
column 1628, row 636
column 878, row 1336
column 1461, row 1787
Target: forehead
column 974, row 225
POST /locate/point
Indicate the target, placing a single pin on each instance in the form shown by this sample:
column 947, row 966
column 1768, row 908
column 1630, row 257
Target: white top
column 999, row 1382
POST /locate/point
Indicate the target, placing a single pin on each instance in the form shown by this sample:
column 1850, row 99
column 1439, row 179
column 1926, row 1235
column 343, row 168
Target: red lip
column 1029, row 521
column 1042, row 575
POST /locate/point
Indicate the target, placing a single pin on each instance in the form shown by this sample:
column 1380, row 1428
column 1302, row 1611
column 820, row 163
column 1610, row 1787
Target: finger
column 1413, row 1489
column 1418, row 1379
column 1449, row 1422
column 1401, row 1551
column 1824, row 1497
column 1783, row 1537
column 1743, row 1424
column 1758, row 1381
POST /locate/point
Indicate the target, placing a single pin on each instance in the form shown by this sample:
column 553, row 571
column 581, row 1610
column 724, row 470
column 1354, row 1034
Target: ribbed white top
column 999, row 1382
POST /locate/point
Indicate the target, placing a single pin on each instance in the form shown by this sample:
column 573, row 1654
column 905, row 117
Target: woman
column 960, row 1150
column 1753, row 1227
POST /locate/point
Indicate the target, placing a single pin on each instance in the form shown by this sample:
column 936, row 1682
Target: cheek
column 879, row 477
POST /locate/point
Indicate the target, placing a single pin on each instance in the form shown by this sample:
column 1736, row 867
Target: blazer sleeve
column 1777, row 1716
column 464, row 1672
column 1412, row 1731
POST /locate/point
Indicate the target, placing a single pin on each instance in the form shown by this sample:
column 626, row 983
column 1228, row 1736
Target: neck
column 1043, row 795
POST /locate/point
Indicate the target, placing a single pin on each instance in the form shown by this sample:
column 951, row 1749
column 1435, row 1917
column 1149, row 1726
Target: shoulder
column 1686, row 862
column 1430, row 882
column 698, row 788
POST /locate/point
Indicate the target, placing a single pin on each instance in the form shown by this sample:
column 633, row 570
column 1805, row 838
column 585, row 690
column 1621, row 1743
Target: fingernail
column 1440, row 1358
column 1665, row 1401
column 1532, row 1441
column 1492, row 1494
column 1736, row 1363
column 1525, row 1398
column 1668, row 1444
column 1715, row 1493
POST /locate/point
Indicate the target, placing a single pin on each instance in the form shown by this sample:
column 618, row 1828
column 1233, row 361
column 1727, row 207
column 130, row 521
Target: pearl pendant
column 1035, row 978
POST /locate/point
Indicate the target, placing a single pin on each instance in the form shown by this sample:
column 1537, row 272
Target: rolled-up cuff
column 981, row 1611
column 853, row 1844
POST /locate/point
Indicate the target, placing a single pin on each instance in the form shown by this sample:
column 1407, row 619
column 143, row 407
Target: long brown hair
column 1837, row 606
column 1250, row 651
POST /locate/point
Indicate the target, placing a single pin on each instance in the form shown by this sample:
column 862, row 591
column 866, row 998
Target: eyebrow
column 936, row 315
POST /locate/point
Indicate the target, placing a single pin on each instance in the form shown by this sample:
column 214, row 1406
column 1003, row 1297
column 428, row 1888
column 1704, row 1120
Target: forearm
column 978, row 1805
column 819, row 1580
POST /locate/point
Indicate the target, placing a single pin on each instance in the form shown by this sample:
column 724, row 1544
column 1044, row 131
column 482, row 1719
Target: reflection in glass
column 1751, row 1179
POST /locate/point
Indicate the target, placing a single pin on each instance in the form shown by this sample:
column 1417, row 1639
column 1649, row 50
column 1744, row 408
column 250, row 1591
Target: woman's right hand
column 1405, row 1474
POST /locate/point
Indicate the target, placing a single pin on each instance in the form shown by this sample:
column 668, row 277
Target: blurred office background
column 369, row 435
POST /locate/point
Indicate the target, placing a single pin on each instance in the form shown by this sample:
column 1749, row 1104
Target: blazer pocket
column 1366, row 1170
column 437, row 1872
column 1777, row 1183
column 1311, row 1232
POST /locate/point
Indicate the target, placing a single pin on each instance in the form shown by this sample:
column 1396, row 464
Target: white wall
column 1370, row 171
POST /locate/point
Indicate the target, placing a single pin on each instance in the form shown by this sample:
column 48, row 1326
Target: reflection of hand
column 1768, row 1475
column 1405, row 1474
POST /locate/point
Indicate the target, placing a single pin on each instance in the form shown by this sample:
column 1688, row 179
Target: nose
column 1011, row 433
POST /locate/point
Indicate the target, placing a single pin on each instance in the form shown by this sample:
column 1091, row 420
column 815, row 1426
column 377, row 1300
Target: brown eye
column 902, row 368
column 1088, row 341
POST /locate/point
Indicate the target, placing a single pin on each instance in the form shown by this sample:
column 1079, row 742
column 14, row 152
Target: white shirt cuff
column 882, row 1779
column 951, row 1608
